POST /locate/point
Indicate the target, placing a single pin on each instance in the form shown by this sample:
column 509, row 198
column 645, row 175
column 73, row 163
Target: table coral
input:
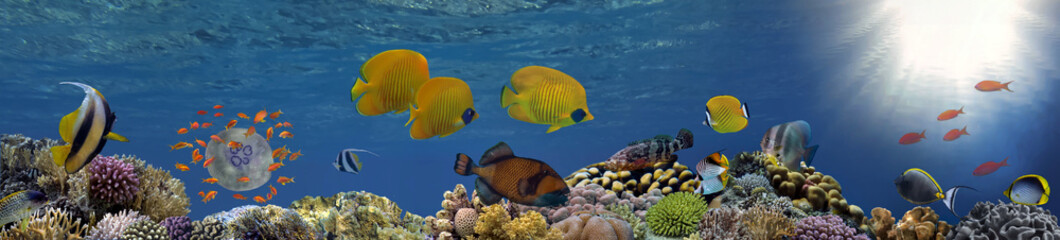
column 113, row 224
column 677, row 214
column 827, row 227
column 112, row 180
column 1006, row 221
column 667, row 177
column 723, row 223
column 590, row 227
column 145, row 230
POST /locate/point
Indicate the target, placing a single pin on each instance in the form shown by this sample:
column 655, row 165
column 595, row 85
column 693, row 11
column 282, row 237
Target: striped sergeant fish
column 348, row 161
column 648, row 152
column 85, row 131
column 20, row 204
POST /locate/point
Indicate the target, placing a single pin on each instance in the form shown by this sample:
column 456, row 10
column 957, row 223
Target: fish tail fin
column 412, row 114
column 359, row 88
column 951, row 195
column 1004, row 162
column 508, row 97
column 464, row 166
column 1005, row 86
column 964, row 131
column 922, row 134
column 59, row 154
column 961, row 110
column 807, row 156
column 685, row 138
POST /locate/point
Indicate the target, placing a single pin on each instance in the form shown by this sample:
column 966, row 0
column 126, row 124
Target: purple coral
column 829, row 227
column 594, row 198
column 112, row 180
column 179, row 227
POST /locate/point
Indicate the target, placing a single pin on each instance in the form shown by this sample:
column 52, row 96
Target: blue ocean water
column 862, row 73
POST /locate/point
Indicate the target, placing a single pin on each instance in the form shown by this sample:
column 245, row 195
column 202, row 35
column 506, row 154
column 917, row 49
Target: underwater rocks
column 920, row 223
column 18, row 158
column 667, row 177
column 208, row 229
column 113, row 224
column 359, row 215
column 1006, row 221
column 271, row 222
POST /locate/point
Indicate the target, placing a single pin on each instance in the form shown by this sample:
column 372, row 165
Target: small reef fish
column 274, row 166
column 268, row 134
column 200, row 142
column 209, row 180
column 242, row 115
column 953, row 134
column 194, row 153
column 268, row 196
column 86, row 131
column 278, row 125
column 389, row 82
column 259, row 199
column 950, row 114
column 21, row 204
column 275, row 114
column 276, row 152
column 218, row 106
column 348, row 161
column 207, row 162
column 295, row 155
column 218, row 114
column 522, row 180
column 202, row 194
column 230, row 124
column 209, row 196
column 215, row 138
column 260, row 117
column 725, row 114
column 286, row 134
column 182, row 131
column 286, row 124
column 250, row 131
column 545, row 96
column 911, row 138
column 243, row 179
column 284, row 180
column 239, row 196
column 283, row 154
column 182, row 167
column 1029, row 190
column 989, row 167
column 272, row 190
column 180, row 145
column 194, row 125
column 207, row 124
column 201, row 112
column 918, row 187
column 445, row 106
column 713, row 172
column 990, row 86
column 647, row 152
column 234, row 144
column 788, row 142
column 196, row 158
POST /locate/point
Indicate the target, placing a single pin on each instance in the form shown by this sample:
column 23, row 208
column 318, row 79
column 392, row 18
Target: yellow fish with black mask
column 389, row 82
column 445, row 106
column 545, row 96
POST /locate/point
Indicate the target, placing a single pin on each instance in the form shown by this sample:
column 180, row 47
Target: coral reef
column 667, row 177
column 208, row 229
column 496, row 223
column 113, row 224
column 179, row 227
column 145, row 230
column 640, row 228
column 18, row 158
column 749, row 182
column 464, row 222
column 112, row 180
column 829, row 227
column 750, row 163
column 919, row 223
column 882, row 222
column 723, row 223
column 587, row 226
column 161, row 195
column 51, row 223
column 766, row 223
column 594, row 198
column 1006, row 221
column 357, row 215
column 444, row 220
column 812, row 191
column 272, row 222
column 677, row 214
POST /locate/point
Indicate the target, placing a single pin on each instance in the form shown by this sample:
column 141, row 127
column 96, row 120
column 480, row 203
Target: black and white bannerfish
column 1029, row 189
column 85, row 131
column 349, row 161
column 20, row 204
column 918, row 187
column 788, row 142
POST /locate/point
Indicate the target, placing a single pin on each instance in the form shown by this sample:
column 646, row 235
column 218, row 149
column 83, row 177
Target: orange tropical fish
column 259, row 199
column 276, row 153
column 953, row 134
column 268, row 196
column 201, row 112
column 207, row 124
column 195, row 152
column 239, row 196
column 286, row 134
column 250, row 131
column 284, row 180
column 260, row 117
column 295, row 155
column 990, row 86
column 272, row 189
column 268, row 134
column 911, row 138
column 194, row 125
column 218, row 106
column 286, row 124
column 230, row 124
column 276, row 114
column 209, row 180
column 242, row 115
column 180, row 145
column 950, row 114
column 243, row 179
column 274, row 166
column 234, row 144
column 196, row 158
column 202, row 194
column 200, row 142
column 182, row 131
column 216, row 138
column 207, row 162
column 278, row 125
column 182, row 167
column 283, row 155
column 218, row 114
column 209, row 196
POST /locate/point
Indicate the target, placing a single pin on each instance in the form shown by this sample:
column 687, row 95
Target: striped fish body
column 648, row 152
column 788, row 142
column 349, row 161
column 19, row 205
column 85, row 131
column 713, row 172
column 545, row 96
column 445, row 106
column 725, row 114
column 389, row 82
column 1029, row 190
column 522, row 180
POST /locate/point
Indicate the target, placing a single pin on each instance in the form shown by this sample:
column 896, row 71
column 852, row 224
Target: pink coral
column 587, row 226
column 112, row 180
column 829, row 227
column 594, row 198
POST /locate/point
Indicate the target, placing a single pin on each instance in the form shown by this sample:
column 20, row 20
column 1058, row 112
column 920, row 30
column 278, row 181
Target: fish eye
column 578, row 115
column 468, row 116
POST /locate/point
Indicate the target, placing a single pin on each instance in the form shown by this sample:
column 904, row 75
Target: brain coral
column 1006, row 221
column 829, row 227
column 112, row 180
column 145, row 230
column 178, row 227
column 677, row 214
column 465, row 221
column 208, row 229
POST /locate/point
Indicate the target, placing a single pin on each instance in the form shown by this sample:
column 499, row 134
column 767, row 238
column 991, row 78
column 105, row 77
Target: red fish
column 953, row 134
column 286, row 134
column 208, row 162
column 276, row 114
column 218, row 114
column 194, row 125
column 274, row 166
column 268, row 134
column 216, row 138
column 242, row 115
column 202, row 194
column 990, row 86
column 207, row 124
column 231, row 124
column 243, row 179
column 284, row 180
column 182, row 167
column 286, row 124
column 217, row 106
column 911, row 138
column 201, row 112
column 239, row 196
column 260, row 117
column 259, row 199
column 989, row 167
column 182, row 131
column 234, row 144
column 209, row 180
column 272, row 189
column 200, row 142
column 250, row 131
column 950, row 114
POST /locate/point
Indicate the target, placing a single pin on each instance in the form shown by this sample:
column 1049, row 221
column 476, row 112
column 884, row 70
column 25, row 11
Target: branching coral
column 356, row 215
column 723, row 223
column 208, row 229
column 594, row 198
column 828, row 227
column 113, row 224
column 496, row 223
column 677, row 214
column 272, row 222
column 161, row 195
column 766, row 224
column 18, row 157
column 145, row 230
column 53, row 223
column 1006, row 221
column 112, row 180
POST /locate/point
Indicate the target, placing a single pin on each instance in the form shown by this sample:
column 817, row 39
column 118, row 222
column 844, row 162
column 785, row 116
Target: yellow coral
column 764, row 223
column 491, row 222
column 161, row 195
column 54, row 224
column 530, row 226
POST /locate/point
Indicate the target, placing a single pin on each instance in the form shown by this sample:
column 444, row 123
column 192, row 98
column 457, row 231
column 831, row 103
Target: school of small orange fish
column 282, row 153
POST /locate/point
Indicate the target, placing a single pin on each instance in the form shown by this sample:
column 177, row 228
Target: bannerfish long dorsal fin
column 950, row 196
column 496, row 153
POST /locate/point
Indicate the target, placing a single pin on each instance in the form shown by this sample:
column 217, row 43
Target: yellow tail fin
column 412, row 114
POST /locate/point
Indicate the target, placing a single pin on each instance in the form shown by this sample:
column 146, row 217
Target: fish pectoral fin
column 116, row 137
column 66, row 126
column 59, row 154
column 553, row 128
column 486, row 192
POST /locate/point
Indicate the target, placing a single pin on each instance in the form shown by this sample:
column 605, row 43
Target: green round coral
column 677, row 214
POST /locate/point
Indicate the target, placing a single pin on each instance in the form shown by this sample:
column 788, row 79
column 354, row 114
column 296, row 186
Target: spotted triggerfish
column 20, row 204
column 788, row 142
column 918, row 187
column 522, row 180
column 648, row 152
column 85, row 130
column 713, row 173
column 1029, row 189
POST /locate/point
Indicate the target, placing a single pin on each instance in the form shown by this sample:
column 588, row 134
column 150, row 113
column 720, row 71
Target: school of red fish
column 282, row 153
